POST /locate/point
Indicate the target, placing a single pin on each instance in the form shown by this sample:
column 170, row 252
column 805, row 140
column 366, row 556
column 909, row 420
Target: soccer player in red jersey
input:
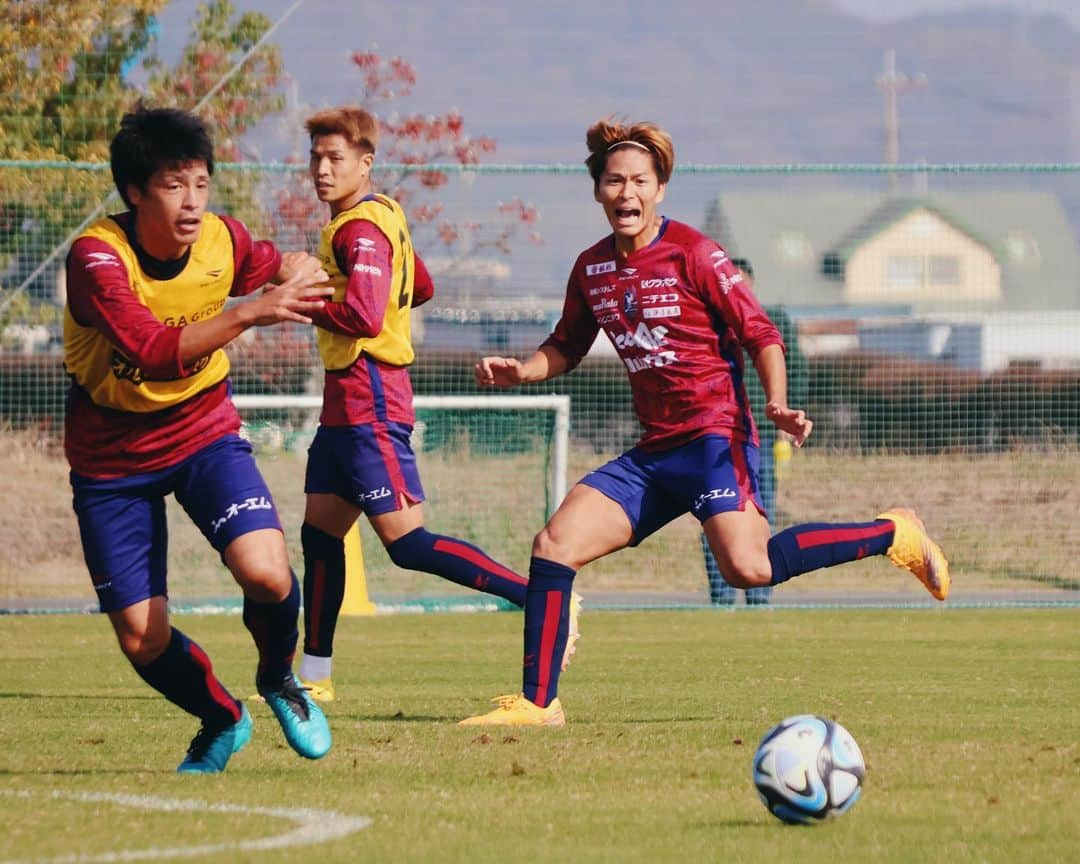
column 149, row 414
column 361, row 461
column 679, row 316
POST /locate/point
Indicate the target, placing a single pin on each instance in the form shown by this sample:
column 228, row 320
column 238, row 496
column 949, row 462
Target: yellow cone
column 356, row 601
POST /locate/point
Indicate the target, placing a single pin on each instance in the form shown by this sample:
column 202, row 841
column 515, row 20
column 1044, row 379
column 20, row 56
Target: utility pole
column 291, row 124
column 891, row 85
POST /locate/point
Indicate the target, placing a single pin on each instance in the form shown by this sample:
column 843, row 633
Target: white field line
column 312, row 826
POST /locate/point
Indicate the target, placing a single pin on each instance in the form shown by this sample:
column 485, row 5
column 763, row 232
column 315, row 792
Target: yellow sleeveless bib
column 198, row 293
column 393, row 345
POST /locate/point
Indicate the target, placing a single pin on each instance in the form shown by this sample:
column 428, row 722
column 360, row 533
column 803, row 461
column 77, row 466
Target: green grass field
column 969, row 721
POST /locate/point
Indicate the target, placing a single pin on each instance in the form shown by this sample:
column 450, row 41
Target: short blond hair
column 352, row 122
column 606, row 135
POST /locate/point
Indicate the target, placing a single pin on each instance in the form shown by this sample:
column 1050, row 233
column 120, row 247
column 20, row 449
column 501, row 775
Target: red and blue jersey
column 679, row 315
column 133, row 406
column 364, row 334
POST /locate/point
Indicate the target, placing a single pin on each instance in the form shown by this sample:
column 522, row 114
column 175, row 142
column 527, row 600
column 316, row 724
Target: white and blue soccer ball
column 807, row 769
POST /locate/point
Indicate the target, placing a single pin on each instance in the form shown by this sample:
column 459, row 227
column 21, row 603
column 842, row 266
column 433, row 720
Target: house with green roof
column 846, row 249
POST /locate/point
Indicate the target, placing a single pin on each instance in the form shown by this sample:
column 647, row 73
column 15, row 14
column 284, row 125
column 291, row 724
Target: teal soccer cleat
column 211, row 749
column 302, row 721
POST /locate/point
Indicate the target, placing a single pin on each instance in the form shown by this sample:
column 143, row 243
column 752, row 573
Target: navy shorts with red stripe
column 706, row 476
column 123, row 526
column 370, row 465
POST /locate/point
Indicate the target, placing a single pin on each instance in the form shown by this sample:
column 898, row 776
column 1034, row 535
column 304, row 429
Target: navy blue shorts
column 371, row 465
column 706, row 476
column 123, row 527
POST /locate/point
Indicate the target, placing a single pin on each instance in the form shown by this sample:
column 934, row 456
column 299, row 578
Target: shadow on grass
column 398, row 717
column 80, row 696
column 734, row 823
column 401, row 717
column 82, row 772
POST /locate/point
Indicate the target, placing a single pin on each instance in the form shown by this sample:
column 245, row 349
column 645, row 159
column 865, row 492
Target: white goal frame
column 556, row 403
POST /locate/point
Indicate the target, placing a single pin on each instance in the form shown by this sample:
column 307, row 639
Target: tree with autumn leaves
column 423, row 140
column 66, row 68
column 69, row 70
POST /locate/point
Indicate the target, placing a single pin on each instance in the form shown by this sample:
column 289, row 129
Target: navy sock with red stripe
column 547, row 622
column 184, row 675
column 803, row 548
column 273, row 626
column 458, row 561
column 324, row 588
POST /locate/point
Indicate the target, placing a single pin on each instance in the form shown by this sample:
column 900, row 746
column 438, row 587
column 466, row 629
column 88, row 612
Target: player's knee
column 546, row 545
column 413, row 550
column 142, row 647
column 264, row 581
column 748, row 573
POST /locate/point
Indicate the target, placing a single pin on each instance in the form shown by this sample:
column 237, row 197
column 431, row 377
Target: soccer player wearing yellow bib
column 149, row 414
column 361, row 460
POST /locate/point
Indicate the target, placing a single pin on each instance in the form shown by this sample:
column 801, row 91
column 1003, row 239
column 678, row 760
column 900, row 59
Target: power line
column 99, row 211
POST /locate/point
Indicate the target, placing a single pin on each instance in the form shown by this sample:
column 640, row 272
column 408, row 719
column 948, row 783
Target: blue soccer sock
column 803, row 548
column 547, row 622
column 324, row 588
column 458, row 561
column 273, row 626
column 184, row 675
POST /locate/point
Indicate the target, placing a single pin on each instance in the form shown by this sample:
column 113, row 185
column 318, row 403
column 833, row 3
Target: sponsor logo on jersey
column 208, row 311
column 658, row 299
column 650, row 361
column 124, row 370
column 363, row 244
column 377, row 494
column 237, row 507
column 662, row 312
column 729, row 282
column 367, row 268
column 712, row 495
column 718, row 258
column 597, row 269
column 628, row 273
column 609, row 303
column 609, row 318
column 102, row 259
column 667, row 282
column 601, row 289
column 651, row 339
column 210, row 276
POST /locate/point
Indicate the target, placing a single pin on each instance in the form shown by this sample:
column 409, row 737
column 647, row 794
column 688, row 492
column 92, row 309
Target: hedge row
column 859, row 402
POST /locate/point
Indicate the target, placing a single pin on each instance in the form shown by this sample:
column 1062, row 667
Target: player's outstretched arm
column 773, row 374
column 296, row 297
column 547, row 362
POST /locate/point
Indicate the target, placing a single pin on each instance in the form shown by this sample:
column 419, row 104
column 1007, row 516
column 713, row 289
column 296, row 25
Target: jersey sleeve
column 423, row 286
column 576, row 331
column 254, row 262
column 369, row 267
column 100, row 296
column 725, row 291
